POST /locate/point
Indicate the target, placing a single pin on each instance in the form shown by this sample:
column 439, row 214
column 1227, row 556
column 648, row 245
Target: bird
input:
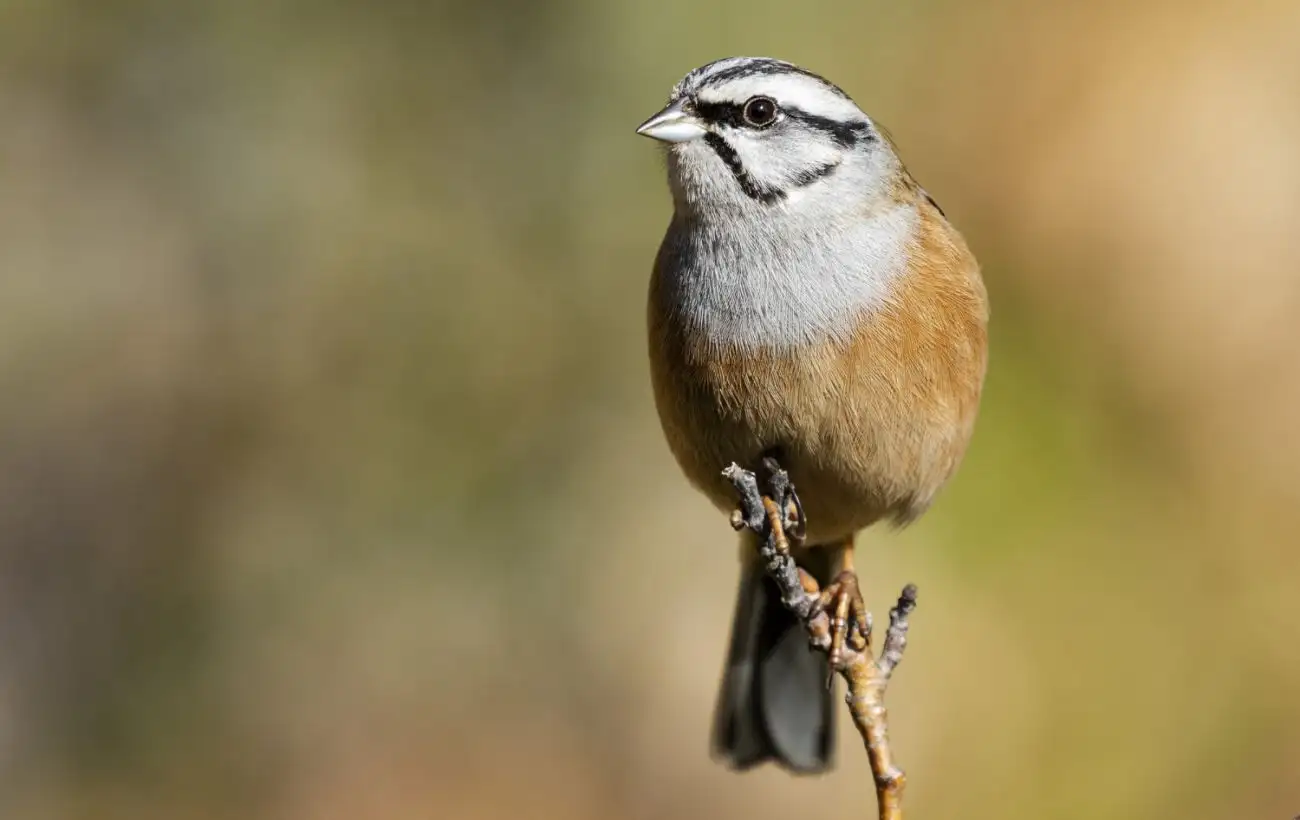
column 809, row 302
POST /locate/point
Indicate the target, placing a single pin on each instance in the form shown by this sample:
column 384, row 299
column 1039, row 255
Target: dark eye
column 760, row 111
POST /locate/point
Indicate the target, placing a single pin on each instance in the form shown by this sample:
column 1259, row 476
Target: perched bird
column 810, row 302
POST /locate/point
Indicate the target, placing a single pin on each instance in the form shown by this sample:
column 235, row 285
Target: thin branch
column 773, row 512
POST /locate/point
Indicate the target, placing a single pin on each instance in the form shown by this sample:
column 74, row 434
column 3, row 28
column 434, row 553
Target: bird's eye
column 760, row 111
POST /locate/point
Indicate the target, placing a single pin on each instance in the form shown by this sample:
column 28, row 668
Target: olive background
column 330, row 480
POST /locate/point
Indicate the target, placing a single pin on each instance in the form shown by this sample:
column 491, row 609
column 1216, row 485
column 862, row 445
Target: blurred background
column 331, row 485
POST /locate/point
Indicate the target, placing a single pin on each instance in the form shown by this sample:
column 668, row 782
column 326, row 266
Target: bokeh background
column 331, row 486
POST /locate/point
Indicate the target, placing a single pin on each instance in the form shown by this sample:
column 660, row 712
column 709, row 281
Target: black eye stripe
column 846, row 134
column 721, row 113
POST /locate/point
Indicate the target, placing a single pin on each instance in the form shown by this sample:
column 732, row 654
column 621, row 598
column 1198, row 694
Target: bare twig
column 773, row 512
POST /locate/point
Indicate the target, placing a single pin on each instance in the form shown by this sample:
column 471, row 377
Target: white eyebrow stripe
column 797, row 90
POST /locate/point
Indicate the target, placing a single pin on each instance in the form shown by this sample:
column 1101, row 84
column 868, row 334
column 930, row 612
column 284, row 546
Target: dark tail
column 774, row 703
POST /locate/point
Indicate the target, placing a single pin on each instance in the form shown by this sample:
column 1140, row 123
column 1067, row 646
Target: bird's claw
column 781, row 490
column 842, row 602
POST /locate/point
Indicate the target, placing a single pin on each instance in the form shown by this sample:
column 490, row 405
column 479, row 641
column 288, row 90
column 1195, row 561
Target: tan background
column 330, row 485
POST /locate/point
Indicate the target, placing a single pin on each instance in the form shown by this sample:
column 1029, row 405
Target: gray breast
column 780, row 283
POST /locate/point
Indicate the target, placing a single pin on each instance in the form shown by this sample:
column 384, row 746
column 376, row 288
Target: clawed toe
column 842, row 601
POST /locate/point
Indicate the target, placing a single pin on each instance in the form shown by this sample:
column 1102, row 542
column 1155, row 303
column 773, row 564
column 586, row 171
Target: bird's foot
column 780, row 489
column 850, row 626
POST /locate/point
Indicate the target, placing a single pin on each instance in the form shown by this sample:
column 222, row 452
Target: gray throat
column 784, row 280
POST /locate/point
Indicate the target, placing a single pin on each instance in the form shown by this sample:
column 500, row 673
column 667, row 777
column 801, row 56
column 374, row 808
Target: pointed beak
column 672, row 125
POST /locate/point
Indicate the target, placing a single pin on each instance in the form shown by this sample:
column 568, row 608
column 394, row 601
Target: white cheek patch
column 778, row 159
column 798, row 90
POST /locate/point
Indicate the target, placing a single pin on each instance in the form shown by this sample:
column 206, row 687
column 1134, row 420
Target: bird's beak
column 672, row 124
